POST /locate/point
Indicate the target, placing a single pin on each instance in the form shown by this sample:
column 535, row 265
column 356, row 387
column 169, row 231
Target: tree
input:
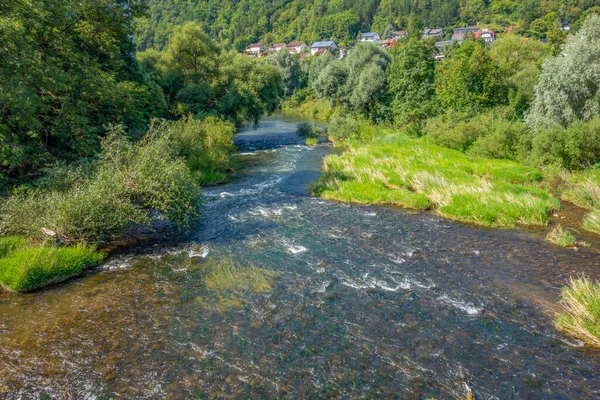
column 291, row 70
column 411, row 78
column 366, row 83
column 470, row 79
column 193, row 53
column 568, row 88
column 66, row 70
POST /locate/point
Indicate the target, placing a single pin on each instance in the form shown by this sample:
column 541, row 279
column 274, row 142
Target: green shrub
column 307, row 130
column 561, row 237
column 344, row 128
column 128, row 184
column 28, row 268
column 312, row 141
column 575, row 147
column 492, row 134
column 581, row 315
column 206, row 144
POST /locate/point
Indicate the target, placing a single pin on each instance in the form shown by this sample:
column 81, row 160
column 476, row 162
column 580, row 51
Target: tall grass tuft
column 25, row 268
column 591, row 222
column 581, row 315
column 561, row 237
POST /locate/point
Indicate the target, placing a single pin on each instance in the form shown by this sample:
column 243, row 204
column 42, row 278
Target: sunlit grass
column 591, row 222
column 561, row 237
column 24, row 268
column 581, row 316
column 415, row 174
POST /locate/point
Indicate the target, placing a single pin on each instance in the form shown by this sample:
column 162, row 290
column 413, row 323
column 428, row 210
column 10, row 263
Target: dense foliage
column 236, row 23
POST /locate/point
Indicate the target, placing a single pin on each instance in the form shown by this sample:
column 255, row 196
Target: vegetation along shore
column 102, row 135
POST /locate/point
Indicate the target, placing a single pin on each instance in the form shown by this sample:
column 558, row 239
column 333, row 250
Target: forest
column 235, row 24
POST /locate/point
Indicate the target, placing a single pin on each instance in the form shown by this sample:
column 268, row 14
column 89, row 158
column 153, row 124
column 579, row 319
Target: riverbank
column 53, row 226
column 326, row 290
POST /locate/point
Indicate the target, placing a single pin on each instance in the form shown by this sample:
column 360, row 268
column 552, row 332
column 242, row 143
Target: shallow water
column 281, row 295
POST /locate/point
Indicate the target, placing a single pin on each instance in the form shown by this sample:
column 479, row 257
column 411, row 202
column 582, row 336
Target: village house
column 399, row 35
column 486, row 34
column 388, row 43
column 297, row 47
column 274, row 48
column 565, row 26
column 435, row 33
column 371, row 37
column 461, row 33
column 256, row 49
column 323, row 47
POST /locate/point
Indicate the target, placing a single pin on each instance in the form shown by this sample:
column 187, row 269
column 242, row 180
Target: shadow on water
column 281, row 295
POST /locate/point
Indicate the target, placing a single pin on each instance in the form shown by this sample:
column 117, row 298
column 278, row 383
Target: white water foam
column 295, row 249
column 469, row 308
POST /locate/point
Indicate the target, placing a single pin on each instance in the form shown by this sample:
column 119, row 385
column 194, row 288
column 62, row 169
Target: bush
column 129, row 183
column 307, row 130
column 343, row 128
column 581, row 316
column 206, row 144
column 574, row 147
column 26, row 268
column 491, row 135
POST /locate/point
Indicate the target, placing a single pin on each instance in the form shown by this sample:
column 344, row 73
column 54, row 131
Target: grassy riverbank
column 129, row 188
column 413, row 173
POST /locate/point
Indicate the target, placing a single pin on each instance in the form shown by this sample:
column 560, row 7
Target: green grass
column 591, row 222
column 24, row 268
column 312, row 141
column 561, row 237
column 416, row 174
column 583, row 189
column 581, row 315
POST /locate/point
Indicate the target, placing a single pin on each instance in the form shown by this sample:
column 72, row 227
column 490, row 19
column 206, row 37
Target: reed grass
column 561, row 237
column 413, row 173
column 581, row 316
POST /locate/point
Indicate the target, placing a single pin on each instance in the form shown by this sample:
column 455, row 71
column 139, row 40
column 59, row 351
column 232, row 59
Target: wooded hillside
column 236, row 23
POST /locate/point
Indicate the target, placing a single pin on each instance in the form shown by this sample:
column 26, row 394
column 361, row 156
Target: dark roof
column 295, row 44
column 369, row 34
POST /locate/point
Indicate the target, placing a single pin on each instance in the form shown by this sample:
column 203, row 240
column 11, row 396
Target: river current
column 280, row 295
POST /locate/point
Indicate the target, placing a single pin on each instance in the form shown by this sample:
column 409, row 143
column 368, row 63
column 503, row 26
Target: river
column 278, row 294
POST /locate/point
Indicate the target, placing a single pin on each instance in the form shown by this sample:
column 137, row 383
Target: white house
column 488, row 35
column 274, row 48
column 322, row 47
column 256, row 49
column 297, row 47
column 399, row 35
column 372, row 37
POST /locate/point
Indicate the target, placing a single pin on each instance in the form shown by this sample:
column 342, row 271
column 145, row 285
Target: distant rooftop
column 327, row 43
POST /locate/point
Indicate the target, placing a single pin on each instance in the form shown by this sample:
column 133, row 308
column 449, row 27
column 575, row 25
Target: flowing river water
column 280, row 295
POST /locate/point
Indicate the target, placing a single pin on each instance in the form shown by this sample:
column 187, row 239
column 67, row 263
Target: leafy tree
column 67, row 69
column 470, row 79
column 291, row 70
column 568, row 88
column 366, row 84
column 411, row 78
column 192, row 52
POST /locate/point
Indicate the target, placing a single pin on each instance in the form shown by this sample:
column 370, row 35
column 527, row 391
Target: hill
column 236, row 23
